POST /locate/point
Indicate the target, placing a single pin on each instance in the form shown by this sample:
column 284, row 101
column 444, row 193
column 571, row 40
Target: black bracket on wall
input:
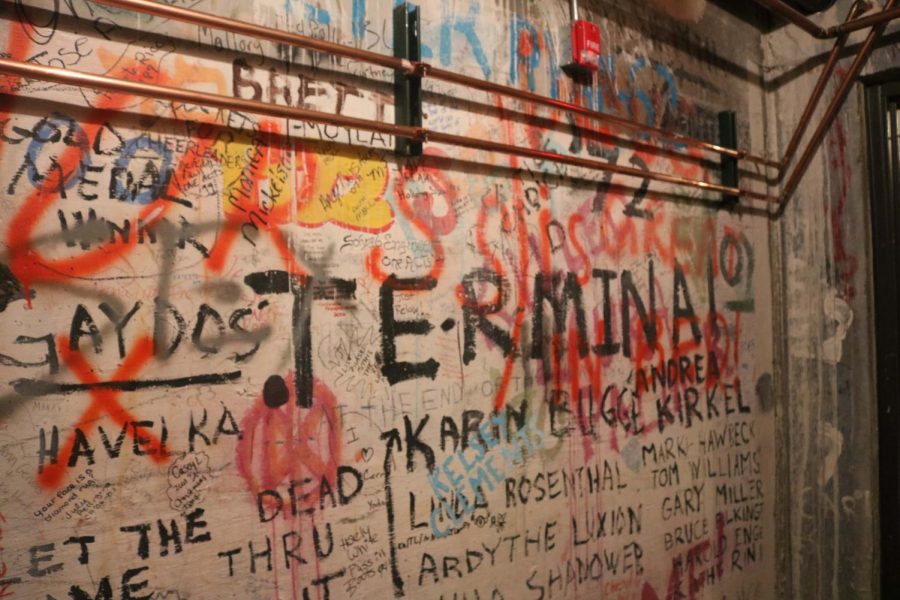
column 407, row 87
column 729, row 165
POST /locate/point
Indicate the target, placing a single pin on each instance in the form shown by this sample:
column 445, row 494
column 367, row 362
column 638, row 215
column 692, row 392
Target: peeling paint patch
column 839, row 315
column 832, row 444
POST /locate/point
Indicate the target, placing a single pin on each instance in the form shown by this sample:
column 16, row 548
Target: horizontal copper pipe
column 161, row 92
column 416, row 68
column 88, row 80
column 888, row 14
column 491, row 146
column 831, row 112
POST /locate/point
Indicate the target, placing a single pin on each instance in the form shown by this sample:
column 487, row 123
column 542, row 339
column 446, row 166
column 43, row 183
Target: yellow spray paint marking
column 337, row 188
column 254, row 179
column 344, row 190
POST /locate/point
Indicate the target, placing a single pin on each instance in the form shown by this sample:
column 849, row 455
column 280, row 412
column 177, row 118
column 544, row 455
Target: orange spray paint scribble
column 522, row 283
column 28, row 264
column 104, row 401
column 420, row 214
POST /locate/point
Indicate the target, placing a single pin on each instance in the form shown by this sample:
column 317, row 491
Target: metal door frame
column 882, row 101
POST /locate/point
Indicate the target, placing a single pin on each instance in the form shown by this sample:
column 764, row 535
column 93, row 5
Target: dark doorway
column 883, row 115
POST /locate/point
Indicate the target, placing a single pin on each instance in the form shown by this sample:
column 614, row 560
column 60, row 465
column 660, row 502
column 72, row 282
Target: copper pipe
column 511, row 92
column 79, row 78
column 490, row 146
column 817, row 92
column 416, row 68
column 160, row 92
column 831, row 113
column 888, row 14
column 258, row 31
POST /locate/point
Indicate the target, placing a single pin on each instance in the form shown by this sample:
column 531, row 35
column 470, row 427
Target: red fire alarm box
column 585, row 44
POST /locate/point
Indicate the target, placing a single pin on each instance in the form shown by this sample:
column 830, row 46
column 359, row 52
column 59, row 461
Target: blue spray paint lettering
column 664, row 72
column 526, row 46
column 359, row 19
column 465, row 26
column 319, row 15
column 642, row 96
column 466, row 474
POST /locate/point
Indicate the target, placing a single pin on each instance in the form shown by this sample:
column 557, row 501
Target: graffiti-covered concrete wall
column 246, row 357
column 829, row 430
